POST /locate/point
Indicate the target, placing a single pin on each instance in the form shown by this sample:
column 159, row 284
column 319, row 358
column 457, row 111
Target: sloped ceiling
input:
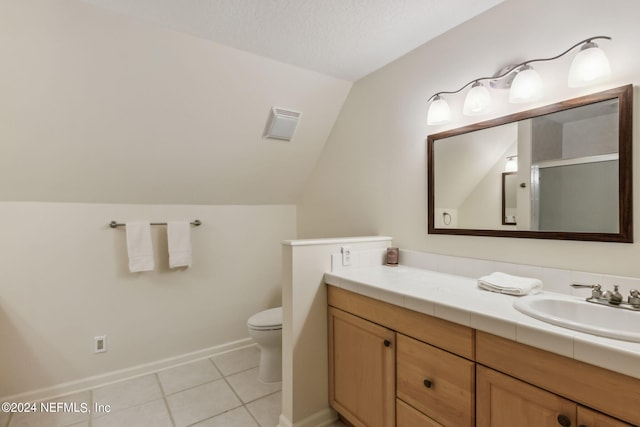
column 347, row 39
column 96, row 106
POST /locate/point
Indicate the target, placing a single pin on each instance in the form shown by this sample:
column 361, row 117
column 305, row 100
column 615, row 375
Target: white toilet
column 265, row 328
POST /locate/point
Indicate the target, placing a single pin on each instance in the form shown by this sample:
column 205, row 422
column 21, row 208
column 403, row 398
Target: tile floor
column 222, row 391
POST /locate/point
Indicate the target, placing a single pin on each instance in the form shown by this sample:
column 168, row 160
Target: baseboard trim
column 284, row 421
column 125, row 374
column 323, row 418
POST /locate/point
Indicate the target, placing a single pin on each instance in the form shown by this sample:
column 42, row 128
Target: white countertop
column 458, row 299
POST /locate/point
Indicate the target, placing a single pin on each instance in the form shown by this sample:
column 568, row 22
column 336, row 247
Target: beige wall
column 64, row 279
column 371, row 178
column 305, row 392
column 102, row 108
column 96, row 108
column 483, row 208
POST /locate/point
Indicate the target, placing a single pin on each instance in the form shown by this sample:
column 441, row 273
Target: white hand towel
column 179, row 242
column 507, row 284
column 139, row 246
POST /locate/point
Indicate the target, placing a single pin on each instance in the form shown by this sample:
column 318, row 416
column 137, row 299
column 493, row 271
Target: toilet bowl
column 265, row 328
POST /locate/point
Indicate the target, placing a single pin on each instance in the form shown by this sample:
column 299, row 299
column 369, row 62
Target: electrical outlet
column 346, row 256
column 100, row 344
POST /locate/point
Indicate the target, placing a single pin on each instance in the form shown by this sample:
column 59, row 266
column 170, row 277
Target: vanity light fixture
column 526, row 86
column 439, row 112
column 590, row 66
column 478, row 100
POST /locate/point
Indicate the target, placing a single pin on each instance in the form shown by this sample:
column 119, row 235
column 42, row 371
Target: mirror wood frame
column 624, row 95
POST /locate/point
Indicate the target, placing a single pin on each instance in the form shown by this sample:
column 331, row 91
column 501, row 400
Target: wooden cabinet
column 435, row 373
column 504, row 401
column 423, row 350
column 587, row 385
column 449, row 336
column 437, row 383
column 362, row 370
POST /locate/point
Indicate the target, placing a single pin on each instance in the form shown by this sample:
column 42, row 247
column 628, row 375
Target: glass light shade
column 526, row 87
column 478, row 100
column 590, row 66
column 511, row 165
column 439, row 112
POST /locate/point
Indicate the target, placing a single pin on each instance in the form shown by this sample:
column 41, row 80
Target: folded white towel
column 179, row 242
column 139, row 246
column 507, row 284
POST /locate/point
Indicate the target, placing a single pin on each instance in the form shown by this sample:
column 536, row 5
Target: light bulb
column 478, row 100
column 526, row 87
column 590, row 66
column 439, row 112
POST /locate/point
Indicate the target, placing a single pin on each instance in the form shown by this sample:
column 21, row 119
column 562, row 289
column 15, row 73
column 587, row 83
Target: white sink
column 577, row 314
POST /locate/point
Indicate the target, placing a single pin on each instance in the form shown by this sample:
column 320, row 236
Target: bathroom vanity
column 408, row 347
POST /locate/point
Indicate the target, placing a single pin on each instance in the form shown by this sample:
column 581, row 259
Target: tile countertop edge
column 494, row 314
column 335, row 241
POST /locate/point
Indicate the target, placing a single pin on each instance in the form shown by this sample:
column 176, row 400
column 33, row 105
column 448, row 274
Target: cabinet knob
column 427, row 383
column 564, row 421
column 387, row 343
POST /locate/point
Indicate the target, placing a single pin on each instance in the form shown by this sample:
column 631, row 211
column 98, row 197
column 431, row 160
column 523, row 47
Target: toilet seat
column 267, row 320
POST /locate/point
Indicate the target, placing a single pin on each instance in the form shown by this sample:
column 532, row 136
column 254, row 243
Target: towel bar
column 114, row 224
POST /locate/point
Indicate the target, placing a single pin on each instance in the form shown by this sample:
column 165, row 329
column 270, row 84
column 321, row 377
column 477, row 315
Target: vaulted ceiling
column 347, row 39
column 166, row 101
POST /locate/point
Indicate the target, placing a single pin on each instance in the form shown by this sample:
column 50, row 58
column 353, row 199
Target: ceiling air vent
column 281, row 124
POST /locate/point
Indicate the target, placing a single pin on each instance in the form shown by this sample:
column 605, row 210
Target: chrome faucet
column 634, row 298
column 614, row 297
column 596, row 290
column 611, row 298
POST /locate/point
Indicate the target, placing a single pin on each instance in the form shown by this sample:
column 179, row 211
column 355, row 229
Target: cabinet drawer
column 409, row 417
column 588, row 417
column 437, row 383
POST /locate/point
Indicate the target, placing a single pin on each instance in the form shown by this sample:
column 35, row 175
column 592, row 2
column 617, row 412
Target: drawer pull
column 387, row 343
column 564, row 421
column 427, row 383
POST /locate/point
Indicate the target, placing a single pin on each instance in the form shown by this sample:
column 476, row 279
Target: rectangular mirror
column 563, row 171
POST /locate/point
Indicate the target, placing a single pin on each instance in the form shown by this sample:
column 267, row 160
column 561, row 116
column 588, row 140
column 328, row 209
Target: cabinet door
column 437, row 383
column 590, row 418
column 503, row 401
column 361, row 370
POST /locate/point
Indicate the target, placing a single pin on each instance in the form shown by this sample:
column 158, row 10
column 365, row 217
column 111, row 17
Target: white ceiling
column 347, row 39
